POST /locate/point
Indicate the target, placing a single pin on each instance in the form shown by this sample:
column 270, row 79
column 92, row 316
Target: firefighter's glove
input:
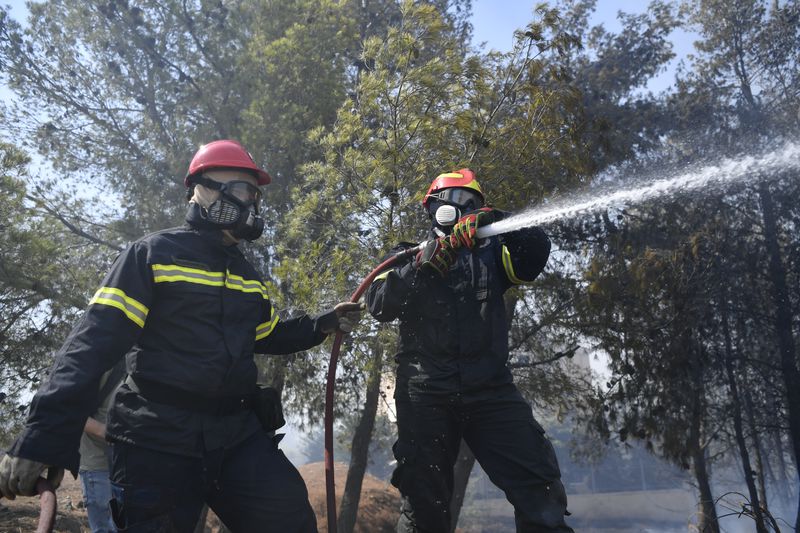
column 342, row 318
column 18, row 476
column 466, row 227
column 349, row 315
column 437, row 256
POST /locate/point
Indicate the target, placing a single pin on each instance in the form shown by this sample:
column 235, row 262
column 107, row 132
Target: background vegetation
column 354, row 107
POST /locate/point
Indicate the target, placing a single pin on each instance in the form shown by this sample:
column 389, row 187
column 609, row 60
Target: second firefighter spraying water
column 452, row 378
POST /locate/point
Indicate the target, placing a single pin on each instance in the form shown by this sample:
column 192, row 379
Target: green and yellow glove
column 466, row 227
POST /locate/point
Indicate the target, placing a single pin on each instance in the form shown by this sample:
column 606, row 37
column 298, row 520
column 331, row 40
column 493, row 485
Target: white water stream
column 724, row 172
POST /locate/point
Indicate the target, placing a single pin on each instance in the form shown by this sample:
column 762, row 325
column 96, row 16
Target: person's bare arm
column 95, row 428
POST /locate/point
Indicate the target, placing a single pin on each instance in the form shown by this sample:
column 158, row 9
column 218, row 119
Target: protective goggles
column 458, row 196
column 244, row 191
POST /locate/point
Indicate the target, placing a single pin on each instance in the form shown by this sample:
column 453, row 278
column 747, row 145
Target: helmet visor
column 459, row 196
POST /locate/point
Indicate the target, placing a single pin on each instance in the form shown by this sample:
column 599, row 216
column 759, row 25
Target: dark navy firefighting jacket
column 189, row 313
column 454, row 330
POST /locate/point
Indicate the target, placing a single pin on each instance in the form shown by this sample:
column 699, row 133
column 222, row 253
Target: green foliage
column 646, row 306
column 354, row 107
column 620, row 121
column 46, row 277
column 297, row 57
column 122, row 94
column 675, row 291
column 422, row 105
column 744, row 76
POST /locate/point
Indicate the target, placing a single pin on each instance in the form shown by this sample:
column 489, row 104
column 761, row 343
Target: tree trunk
column 461, row 473
column 348, row 511
column 783, row 324
column 737, row 420
column 763, row 466
column 707, row 519
column 785, row 487
column 708, row 522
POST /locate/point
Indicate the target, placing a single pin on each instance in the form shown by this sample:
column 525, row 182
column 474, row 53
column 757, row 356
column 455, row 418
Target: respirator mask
column 448, row 205
column 237, row 209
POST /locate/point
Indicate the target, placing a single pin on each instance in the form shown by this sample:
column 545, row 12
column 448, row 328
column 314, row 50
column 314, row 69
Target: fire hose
column 47, row 506
column 330, row 487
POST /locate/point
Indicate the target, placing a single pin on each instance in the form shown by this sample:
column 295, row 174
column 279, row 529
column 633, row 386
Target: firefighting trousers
column 252, row 488
column 507, row 442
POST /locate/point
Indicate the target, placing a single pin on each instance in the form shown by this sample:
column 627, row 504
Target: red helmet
column 463, row 178
column 224, row 154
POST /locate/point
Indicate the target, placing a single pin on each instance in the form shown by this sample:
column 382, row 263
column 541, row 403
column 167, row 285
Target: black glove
column 438, row 255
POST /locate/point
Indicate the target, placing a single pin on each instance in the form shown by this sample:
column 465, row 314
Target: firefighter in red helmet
column 189, row 425
column 453, row 382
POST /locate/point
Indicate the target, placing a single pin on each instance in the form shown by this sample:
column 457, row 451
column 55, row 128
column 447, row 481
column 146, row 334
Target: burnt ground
column 377, row 513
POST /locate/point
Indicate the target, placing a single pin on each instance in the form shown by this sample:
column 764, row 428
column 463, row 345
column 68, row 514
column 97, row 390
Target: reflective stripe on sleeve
column 265, row 328
column 509, row 268
column 112, row 297
column 170, row 273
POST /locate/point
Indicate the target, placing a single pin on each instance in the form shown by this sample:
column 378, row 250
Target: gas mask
column 236, row 208
column 448, row 205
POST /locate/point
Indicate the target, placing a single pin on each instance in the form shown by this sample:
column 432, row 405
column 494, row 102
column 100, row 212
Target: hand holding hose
column 465, row 229
column 342, row 318
column 437, row 255
column 349, row 315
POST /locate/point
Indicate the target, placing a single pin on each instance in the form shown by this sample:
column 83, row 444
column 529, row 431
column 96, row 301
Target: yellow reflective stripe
column 382, row 275
column 170, row 273
column 117, row 298
column 509, row 268
column 238, row 283
column 265, row 328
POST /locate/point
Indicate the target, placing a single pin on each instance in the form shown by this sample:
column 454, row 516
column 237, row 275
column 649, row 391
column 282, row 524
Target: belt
column 191, row 401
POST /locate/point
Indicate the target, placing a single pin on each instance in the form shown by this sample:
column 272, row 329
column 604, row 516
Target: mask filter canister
column 446, row 215
column 223, row 213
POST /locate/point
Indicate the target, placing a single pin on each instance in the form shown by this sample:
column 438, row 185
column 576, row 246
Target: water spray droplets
column 725, row 172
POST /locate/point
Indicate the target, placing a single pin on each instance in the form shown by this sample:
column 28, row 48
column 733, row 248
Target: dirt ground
column 377, row 513
column 20, row 515
column 380, row 501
